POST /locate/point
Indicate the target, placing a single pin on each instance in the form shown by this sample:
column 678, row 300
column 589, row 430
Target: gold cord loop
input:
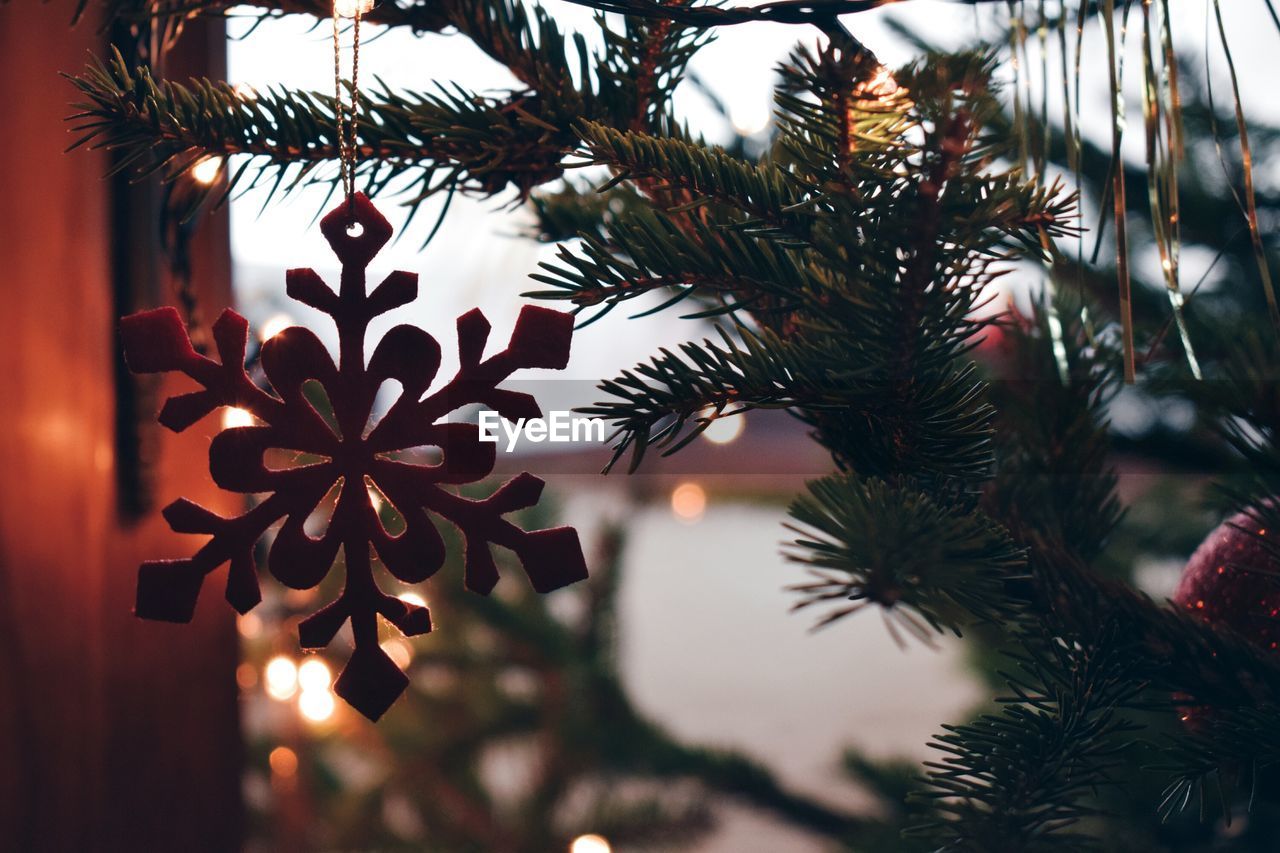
column 347, row 117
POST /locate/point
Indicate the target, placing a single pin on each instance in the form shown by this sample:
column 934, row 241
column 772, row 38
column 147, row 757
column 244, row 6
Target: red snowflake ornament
column 157, row 341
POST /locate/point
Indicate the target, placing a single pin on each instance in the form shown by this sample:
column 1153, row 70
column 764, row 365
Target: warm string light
column 314, row 675
column 206, row 170
column 246, row 676
column 590, row 844
column 412, row 598
column 281, row 676
column 234, row 416
column 274, row 325
column 881, row 83
column 249, row 625
column 723, row 429
column 316, row 702
column 316, row 706
column 689, row 502
column 749, row 117
column 310, row 682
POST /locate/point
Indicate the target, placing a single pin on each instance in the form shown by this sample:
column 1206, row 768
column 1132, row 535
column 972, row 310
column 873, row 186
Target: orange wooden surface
column 115, row 734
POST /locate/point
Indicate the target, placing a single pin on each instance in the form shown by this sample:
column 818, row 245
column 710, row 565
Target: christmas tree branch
column 429, row 142
column 650, row 251
column 1019, row 779
column 418, row 143
column 768, row 196
column 869, row 542
column 1104, row 652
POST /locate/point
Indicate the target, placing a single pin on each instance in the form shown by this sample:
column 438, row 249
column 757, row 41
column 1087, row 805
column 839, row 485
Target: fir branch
column 652, row 251
column 1019, row 779
column 869, row 542
column 426, row 142
column 766, row 195
column 1224, row 750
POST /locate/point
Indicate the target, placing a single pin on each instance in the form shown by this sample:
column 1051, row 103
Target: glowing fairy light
column 276, row 324
column 590, row 844
column 689, row 502
column 412, row 598
column 246, row 676
column 316, row 706
column 249, row 625
column 723, row 429
column 749, row 117
column 233, row 417
column 282, row 678
column 283, row 761
column 881, row 83
column 207, row 170
column 314, row 675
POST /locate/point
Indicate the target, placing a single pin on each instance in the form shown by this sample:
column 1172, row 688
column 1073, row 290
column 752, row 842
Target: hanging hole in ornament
column 354, row 230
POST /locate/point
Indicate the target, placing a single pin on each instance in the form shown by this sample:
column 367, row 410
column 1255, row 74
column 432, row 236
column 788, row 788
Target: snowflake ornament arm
column 352, row 456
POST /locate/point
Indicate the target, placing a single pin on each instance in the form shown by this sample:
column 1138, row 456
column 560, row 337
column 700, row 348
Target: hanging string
column 347, row 117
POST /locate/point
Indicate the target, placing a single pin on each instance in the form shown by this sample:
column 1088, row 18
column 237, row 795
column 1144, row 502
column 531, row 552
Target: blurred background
column 671, row 702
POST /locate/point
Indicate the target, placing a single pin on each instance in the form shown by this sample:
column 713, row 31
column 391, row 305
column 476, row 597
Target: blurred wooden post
column 115, row 734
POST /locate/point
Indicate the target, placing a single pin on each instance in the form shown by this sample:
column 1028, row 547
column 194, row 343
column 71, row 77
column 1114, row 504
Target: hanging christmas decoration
column 1233, row 579
column 355, row 454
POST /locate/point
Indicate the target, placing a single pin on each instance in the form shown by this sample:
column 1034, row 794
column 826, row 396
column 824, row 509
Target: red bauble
column 1233, row 580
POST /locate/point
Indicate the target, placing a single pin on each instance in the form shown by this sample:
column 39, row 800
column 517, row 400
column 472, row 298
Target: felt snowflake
column 353, row 454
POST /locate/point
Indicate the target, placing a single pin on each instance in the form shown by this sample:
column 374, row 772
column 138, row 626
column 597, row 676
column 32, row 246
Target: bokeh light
column 283, row 761
column 316, row 705
column 281, row 677
column 274, row 325
column 724, row 429
column 590, row 844
column 688, row 502
column 412, row 598
column 206, row 171
column 233, row 416
column 314, row 675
